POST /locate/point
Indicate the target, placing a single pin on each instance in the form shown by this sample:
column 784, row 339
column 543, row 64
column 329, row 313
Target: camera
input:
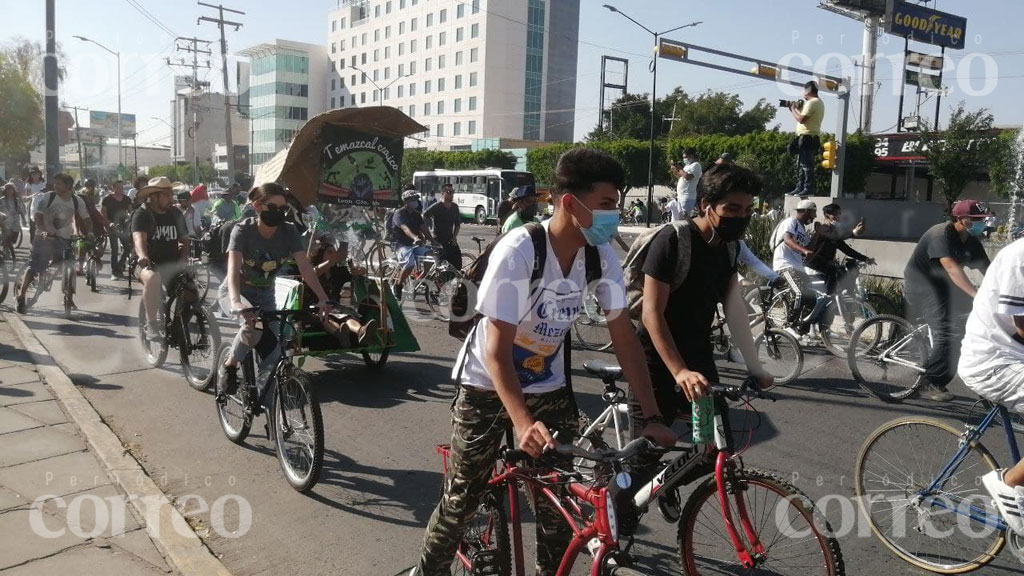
column 787, row 103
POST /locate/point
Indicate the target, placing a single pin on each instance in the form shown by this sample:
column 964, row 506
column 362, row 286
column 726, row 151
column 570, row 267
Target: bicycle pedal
column 487, row 562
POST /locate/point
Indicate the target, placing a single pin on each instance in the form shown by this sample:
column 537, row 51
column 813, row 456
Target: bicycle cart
column 346, row 163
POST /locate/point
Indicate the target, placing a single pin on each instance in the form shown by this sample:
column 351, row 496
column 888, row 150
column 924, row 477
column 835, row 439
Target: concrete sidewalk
column 59, row 512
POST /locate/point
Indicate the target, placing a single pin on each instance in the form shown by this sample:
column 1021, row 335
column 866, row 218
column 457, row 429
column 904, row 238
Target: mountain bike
column 737, row 495
column 94, row 247
column 918, row 484
column 184, row 324
column 585, row 502
column 294, row 421
column 64, row 259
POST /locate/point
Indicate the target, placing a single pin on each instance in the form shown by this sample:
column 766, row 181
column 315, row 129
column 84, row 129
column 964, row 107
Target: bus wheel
column 481, row 215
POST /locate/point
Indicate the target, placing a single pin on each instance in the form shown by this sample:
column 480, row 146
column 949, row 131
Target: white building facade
column 466, row 69
column 282, row 86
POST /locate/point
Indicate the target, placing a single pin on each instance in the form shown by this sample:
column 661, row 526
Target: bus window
column 494, row 189
column 426, row 185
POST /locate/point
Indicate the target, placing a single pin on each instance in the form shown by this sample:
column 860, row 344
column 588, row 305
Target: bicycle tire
column 297, row 385
column 591, row 327
column 783, row 357
column 441, row 302
column 835, row 332
column 880, row 337
column 486, row 537
column 235, row 406
column 5, row 283
column 883, row 304
column 946, row 441
column 67, row 285
column 91, row 272
column 199, row 374
column 156, row 353
column 748, row 478
column 35, row 290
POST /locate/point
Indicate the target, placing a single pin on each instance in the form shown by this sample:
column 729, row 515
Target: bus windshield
column 512, row 180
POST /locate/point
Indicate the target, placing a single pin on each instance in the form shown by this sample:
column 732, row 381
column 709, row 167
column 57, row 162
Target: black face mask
column 528, row 212
column 732, row 228
column 272, row 217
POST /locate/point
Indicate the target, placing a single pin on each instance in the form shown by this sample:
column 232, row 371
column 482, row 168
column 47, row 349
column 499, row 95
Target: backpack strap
column 684, row 252
column 539, row 238
column 592, row 263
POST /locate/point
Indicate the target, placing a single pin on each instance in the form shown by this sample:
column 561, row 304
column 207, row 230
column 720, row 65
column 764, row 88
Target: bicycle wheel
column 441, row 301
column 836, row 328
column 937, row 530
column 485, row 548
column 883, row 304
column 796, row 539
column 202, row 281
column 156, row 352
column 780, row 354
column 234, row 411
column 91, row 272
column 778, row 309
column 36, row 289
column 591, row 327
column 200, row 342
column 886, row 357
column 298, row 429
column 68, row 287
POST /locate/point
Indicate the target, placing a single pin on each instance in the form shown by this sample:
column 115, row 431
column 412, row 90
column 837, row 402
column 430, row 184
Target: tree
column 629, row 117
column 21, row 112
column 716, row 113
column 29, row 57
column 1006, row 171
column 962, row 152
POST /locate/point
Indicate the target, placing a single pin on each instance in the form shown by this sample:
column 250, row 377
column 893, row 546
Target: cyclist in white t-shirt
column 992, row 363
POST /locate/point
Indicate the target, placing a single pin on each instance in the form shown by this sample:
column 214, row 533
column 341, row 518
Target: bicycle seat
column 603, row 370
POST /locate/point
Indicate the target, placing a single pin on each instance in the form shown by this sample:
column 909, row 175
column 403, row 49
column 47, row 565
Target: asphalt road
column 382, row 474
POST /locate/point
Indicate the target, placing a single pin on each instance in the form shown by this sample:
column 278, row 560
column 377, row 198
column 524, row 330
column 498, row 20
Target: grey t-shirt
column 263, row 258
column 60, row 214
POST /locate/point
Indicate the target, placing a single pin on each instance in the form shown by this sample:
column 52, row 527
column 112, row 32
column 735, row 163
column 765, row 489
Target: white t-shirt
column 543, row 316
column 783, row 256
column 60, row 214
column 989, row 341
column 686, row 190
column 675, row 210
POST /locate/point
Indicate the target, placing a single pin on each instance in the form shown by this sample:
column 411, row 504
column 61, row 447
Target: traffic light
column 671, row 51
column 829, row 155
column 765, row 70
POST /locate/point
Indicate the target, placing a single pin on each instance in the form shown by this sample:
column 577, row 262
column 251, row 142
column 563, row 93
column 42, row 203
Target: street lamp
column 654, row 88
column 380, row 91
column 120, row 144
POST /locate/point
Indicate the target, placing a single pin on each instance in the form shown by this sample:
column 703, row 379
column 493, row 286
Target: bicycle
column 294, row 420
column 199, row 270
column 65, row 260
column 94, row 247
column 906, row 498
column 186, row 325
column 742, row 547
column 591, row 326
column 779, row 351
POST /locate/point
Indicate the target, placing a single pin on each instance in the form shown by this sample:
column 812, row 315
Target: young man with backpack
column 677, row 275
column 511, row 370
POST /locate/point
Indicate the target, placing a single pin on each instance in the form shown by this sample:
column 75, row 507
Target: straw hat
column 158, row 184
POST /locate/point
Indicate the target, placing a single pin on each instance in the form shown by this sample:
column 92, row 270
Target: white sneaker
column 1009, row 501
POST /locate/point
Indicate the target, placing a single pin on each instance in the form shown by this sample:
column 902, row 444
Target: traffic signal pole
column 680, row 52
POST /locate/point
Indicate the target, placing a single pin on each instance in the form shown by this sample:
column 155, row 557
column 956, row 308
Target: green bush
column 759, row 235
column 892, row 288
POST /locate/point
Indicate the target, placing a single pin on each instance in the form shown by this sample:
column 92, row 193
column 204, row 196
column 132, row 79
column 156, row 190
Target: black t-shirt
column 925, row 276
column 163, row 232
column 691, row 308
column 444, row 219
column 410, row 218
column 117, row 210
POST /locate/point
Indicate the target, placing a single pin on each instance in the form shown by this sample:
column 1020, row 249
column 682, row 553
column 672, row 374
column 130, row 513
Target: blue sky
column 989, row 72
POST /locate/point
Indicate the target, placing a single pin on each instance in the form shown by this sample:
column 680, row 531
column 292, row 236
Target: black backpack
column 389, row 226
column 463, row 318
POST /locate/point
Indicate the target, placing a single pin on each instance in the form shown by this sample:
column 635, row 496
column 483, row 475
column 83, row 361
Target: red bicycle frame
column 722, row 462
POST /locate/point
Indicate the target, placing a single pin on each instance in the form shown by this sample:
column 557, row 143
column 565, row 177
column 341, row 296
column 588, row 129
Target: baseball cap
column 806, row 205
column 968, row 209
column 521, row 192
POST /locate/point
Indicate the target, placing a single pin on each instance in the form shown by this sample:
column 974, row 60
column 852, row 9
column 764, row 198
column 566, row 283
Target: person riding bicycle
column 524, row 208
column 410, row 237
column 939, row 293
column 90, row 194
column 257, row 251
column 11, row 206
column 56, row 217
column 35, row 185
column 117, row 209
column 992, row 364
column 789, row 246
column 511, row 369
column 161, row 245
column 445, row 221
column 827, row 238
column 226, row 208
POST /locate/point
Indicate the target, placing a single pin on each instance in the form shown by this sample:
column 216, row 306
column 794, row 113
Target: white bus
column 477, row 192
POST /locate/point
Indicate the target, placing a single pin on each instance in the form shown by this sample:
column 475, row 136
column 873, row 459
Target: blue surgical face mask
column 604, row 225
column 977, row 228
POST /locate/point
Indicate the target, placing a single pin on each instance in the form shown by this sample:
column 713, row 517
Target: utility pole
column 192, row 45
column 50, row 89
column 78, row 137
column 221, row 22
column 867, row 72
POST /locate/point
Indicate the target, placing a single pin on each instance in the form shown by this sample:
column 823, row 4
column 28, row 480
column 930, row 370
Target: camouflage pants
column 479, row 423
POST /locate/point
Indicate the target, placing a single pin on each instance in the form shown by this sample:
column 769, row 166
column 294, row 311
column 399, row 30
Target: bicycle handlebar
column 632, row 450
column 748, row 389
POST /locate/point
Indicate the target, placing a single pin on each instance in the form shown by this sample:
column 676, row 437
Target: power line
column 149, row 16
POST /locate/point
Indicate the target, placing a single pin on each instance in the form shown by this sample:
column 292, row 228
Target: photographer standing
column 807, row 143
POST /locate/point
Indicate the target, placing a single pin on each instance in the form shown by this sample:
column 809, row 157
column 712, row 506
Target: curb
column 165, row 525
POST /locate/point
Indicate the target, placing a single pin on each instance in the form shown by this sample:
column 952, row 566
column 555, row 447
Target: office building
column 466, row 69
column 281, row 86
column 198, row 126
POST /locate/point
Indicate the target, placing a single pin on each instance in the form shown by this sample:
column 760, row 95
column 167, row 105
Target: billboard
column 925, row 25
column 357, row 169
column 105, row 123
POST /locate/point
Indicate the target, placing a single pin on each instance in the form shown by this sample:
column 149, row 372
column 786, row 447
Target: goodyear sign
column 925, row 25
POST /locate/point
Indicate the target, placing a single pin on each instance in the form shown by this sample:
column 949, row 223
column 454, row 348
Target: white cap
column 807, row 205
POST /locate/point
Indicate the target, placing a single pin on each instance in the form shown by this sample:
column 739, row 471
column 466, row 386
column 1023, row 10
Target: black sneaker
column 230, row 386
column 21, row 305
